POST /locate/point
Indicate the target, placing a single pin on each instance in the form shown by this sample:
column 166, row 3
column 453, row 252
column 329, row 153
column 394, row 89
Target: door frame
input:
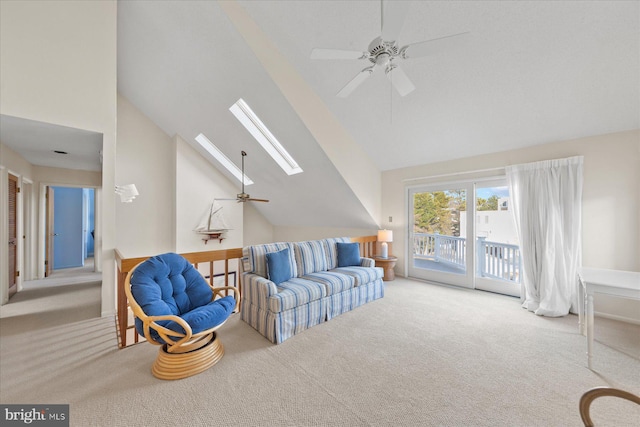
column 486, row 283
column 461, row 280
column 42, row 222
column 49, row 221
column 13, row 236
column 473, row 281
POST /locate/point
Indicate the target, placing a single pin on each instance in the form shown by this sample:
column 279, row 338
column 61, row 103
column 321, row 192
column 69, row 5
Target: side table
column 387, row 264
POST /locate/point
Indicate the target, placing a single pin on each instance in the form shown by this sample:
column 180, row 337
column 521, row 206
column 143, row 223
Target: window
column 222, row 159
column 265, row 138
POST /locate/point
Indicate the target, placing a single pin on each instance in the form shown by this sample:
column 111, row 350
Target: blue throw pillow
column 278, row 266
column 348, row 254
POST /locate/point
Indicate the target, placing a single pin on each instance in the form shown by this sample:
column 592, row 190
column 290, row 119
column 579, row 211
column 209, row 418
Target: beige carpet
column 424, row 355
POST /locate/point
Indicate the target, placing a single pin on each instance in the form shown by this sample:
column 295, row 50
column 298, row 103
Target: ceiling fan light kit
column 384, row 50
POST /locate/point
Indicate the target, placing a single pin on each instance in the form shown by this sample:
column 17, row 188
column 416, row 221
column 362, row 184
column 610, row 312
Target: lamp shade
column 385, row 236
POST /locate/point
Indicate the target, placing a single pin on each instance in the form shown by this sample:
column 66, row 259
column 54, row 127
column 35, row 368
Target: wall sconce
column 127, row 192
column 385, row 236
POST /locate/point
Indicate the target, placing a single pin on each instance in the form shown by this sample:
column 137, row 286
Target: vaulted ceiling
column 529, row 73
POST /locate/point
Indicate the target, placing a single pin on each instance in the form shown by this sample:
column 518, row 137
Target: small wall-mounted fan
column 383, row 51
column 244, row 197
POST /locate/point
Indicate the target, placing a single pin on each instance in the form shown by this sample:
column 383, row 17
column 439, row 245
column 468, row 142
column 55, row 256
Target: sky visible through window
column 487, row 192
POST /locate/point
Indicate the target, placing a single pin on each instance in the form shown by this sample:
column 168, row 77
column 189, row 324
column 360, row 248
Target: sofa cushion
column 333, row 281
column 255, row 260
column 296, row 292
column 278, row 267
column 310, row 257
column 332, row 252
column 362, row 275
column 348, row 254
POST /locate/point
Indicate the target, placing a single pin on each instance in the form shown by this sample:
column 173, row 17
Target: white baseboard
column 618, row 318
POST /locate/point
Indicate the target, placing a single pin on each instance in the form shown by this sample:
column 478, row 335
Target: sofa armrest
column 367, row 262
column 257, row 290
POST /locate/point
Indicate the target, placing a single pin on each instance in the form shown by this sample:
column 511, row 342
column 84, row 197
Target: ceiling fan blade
column 355, row 82
column 337, row 54
column 430, row 47
column 393, row 14
column 400, row 81
column 257, row 200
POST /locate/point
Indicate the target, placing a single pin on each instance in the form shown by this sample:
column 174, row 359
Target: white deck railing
column 496, row 260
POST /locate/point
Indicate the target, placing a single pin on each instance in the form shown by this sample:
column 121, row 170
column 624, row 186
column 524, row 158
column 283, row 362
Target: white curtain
column 546, row 198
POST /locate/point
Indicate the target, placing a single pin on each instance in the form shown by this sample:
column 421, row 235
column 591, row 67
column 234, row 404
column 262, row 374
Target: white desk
column 624, row 284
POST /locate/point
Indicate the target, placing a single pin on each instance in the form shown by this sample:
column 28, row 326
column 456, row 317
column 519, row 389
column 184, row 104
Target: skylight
column 265, row 138
column 220, row 157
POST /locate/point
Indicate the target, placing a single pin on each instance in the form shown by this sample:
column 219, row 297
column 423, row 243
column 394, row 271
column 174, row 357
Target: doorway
column 498, row 261
column 463, row 234
column 70, row 228
column 438, row 234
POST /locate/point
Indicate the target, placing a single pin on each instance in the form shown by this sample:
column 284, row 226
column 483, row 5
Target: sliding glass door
column 438, row 230
column 498, row 261
column 463, row 234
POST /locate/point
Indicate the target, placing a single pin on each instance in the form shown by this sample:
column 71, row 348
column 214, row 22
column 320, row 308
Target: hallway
column 67, row 296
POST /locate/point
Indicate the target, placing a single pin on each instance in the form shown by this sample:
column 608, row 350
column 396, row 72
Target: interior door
column 13, row 234
column 48, row 261
column 67, row 226
column 438, row 230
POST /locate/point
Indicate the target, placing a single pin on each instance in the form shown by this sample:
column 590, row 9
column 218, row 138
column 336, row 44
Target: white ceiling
column 37, row 142
column 532, row 72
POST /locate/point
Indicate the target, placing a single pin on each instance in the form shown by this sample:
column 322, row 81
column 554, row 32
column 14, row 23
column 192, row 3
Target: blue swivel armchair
column 178, row 310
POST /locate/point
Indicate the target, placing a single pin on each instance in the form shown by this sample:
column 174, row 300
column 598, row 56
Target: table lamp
column 385, row 236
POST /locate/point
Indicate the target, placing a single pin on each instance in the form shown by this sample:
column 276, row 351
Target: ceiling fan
column 384, row 51
column 244, row 197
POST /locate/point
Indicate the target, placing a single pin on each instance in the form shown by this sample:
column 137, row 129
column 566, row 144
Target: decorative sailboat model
column 213, row 224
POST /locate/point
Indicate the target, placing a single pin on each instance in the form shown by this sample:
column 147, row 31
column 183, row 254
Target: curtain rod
column 454, row 174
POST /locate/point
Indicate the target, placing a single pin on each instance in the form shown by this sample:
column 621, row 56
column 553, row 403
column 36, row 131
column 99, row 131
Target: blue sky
column 487, row 192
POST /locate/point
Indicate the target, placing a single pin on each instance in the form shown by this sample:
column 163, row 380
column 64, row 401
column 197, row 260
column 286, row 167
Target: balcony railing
column 495, row 260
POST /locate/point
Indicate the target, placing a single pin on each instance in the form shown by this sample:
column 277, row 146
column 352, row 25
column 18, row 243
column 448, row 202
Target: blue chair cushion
column 278, row 267
column 348, row 254
column 168, row 284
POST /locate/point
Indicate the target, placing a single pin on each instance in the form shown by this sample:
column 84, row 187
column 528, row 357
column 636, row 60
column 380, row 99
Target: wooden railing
column 204, row 262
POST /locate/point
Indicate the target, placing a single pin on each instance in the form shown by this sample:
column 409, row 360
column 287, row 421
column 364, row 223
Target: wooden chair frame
column 589, row 396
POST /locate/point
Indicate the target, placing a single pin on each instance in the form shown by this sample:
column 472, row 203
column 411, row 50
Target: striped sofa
column 317, row 291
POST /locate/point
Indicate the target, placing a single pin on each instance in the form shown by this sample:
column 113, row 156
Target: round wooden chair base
column 174, row 366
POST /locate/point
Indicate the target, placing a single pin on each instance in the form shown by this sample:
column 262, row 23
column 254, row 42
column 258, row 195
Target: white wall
column 176, row 185
column 58, row 65
column 145, row 157
column 297, row 234
column 257, row 230
column 197, row 184
column 611, row 199
column 12, row 163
